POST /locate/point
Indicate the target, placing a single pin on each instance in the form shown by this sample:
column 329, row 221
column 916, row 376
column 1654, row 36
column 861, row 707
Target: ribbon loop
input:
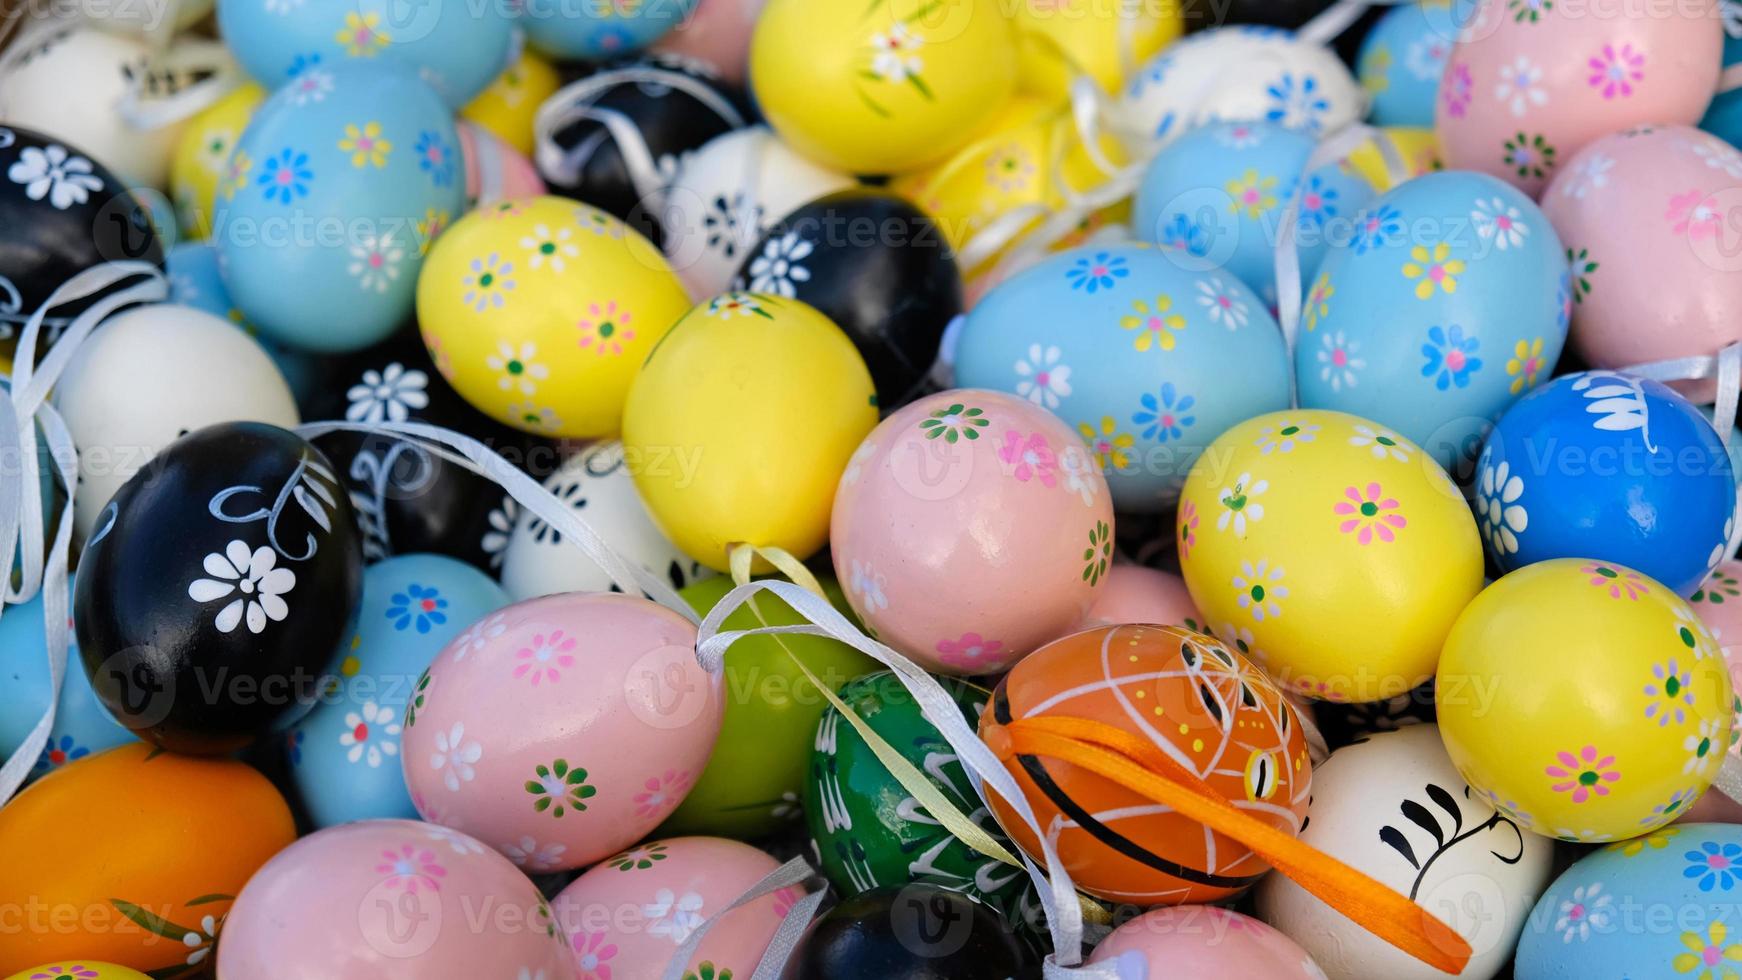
column 793, row 872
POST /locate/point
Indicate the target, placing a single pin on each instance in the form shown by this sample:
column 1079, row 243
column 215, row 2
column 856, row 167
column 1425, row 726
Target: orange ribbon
column 1141, row 767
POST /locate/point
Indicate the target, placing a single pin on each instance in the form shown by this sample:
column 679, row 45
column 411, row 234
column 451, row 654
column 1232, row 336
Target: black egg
column 217, row 587
column 672, row 118
column 1199, row 15
column 877, row 266
column 407, row 499
column 61, row 212
column 917, row 932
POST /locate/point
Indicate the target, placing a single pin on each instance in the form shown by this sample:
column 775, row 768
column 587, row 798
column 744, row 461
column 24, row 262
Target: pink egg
column 561, row 730
column 1134, row 594
column 495, row 171
column 626, row 917
column 391, row 900
column 718, row 33
column 970, row 528
column 1203, row 941
column 1531, row 82
column 1642, row 214
column 1719, row 605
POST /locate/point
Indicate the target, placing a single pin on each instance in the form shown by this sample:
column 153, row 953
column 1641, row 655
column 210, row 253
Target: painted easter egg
column 159, row 860
column 1642, row 217
column 1130, row 345
column 1434, row 336
column 628, row 914
column 1218, row 193
column 1531, row 82
column 925, row 570
column 1415, row 149
column 1342, row 547
column 716, row 34
column 1134, row 594
column 598, row 31
column 457, row 50
column 1402, row 59
column 78, row 969
column 1392, row 807
column 1063, row 41
column 1206, row 707
column 391, row 900
column 507, row 105
column 544, row 310
column 1590, row 921
column 1718, row 603
column 1202, row 940
column 217, row 587
column 921, row 932
column 744, row 418
column 1607, row 466
column 895, row 88
column 495, row 171
column 358, row 146
column 751, row 786
column 202, row 158
column 194, row 280
column 1611, row 750
column 575, row 720
column 344, row 756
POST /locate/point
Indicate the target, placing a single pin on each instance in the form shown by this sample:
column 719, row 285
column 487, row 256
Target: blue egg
column 1401, row 62
column 1451, row 300
column 344, row 755
column 1218, row 194
column 596, row 30
column 345, row 172
column 194, row 281
column 82, row 725
column 1644, row 908
column 1148, row 358
column 458, row 47
column 1608, row 466
column 1724, row 116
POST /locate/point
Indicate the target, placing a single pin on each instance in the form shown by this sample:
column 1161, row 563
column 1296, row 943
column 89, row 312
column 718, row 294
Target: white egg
column 1393, row 807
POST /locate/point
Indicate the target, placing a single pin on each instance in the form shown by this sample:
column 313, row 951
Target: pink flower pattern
column 1585, row 774
column 972, row 652
column 1694, row 214
column 661, row 793
column 1188, row 528
column 1032, row 457
column 411, row 866
column 543, row 656
column 1369, row 515
column 1619, row 582
column 1458, row 87
column 1616, row 70
column 591, row 953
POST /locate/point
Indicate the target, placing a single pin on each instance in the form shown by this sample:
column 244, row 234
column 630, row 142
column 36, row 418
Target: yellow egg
column 506, row 108
column 887, row 87
column 202, row 157
column 1416, row 148
column 741, row 423
column 78, row 968
column 1011, row 167
column 1344, row 551
column 1584, row 699
column 539, row 312
column 1106, row 41
column 124, row 855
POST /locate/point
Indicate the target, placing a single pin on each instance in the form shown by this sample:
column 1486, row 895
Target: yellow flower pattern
column 434, row 223
column 1111, row 447
column 237, row 178
column 1252, row 194
column 1433, row 270
column 361, row 36
column 1708, row 957
column 1657, row 840
column 366, row 145
column 1525, row 365
column 1155, row 326
column 1318, row 302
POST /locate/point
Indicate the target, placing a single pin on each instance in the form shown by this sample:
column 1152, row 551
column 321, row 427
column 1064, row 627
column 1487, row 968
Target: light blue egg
column 1607, row 466
column 344, row 170
column 1401, row 62
column 1130, row 345
column 1724, row 116
column 597, row 30
column 1218, row 194
column 1642, row 909
column 1416, row 324
column 458, row 47
column 82, row 726
column 345, row 754
column 194, row 281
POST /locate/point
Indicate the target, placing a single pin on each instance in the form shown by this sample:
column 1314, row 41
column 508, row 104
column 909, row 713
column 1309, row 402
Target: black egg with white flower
column 409, row 500
column 61, row 212
column 875, row 265
column 670, row 105
column 217, row 587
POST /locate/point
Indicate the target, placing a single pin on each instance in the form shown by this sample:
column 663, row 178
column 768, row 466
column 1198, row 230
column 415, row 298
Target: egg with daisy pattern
column 339, row 184
column 1451, row 300
column 1343, row 547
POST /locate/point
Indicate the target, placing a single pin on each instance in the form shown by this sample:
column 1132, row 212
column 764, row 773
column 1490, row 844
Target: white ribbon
column 1726, row 367
column 1331, row 22
column 575, row 102
column 780, row 948
column 1105, row 970
column 142, row 111
column 1058, row 896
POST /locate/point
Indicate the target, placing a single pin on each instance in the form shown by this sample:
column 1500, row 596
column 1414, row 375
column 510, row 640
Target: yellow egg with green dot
column 507, row 107
column 202, row 158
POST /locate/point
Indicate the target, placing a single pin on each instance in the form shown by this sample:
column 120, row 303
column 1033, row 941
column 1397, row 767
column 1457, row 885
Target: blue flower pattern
column 1164, row 414
column 302, row 63
column 417, row 605
column 1094, row 274
column 293, row 744
column 58, row 752
column 286, row 176
column 1186, row 235
column 1449, row 357
column 1317, row 203
column 435, row 158
column 1297, row 102
column 1714, row 865
column 1375, row 228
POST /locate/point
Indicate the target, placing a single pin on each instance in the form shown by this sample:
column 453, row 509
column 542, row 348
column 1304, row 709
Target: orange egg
column 124, row 856
column 1198, row 702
